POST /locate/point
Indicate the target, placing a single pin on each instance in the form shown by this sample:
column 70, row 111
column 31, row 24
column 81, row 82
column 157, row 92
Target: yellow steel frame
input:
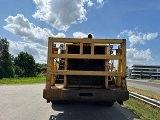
column 52, row 70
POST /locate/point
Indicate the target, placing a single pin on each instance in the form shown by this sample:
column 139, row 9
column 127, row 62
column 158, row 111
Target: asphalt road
column 25, row 102
column 144, row 84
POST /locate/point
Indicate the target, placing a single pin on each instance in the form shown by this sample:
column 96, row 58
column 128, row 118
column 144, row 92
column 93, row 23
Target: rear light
column 118, row 51
column 55, row 50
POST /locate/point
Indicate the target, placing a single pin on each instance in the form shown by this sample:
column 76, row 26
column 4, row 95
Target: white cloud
column 35, row 38
column 150, row 36
column 127, row 32
column 60, row 35
column 90, row 3
column 21, row 26
column 135, row 56
column 101, row 2
column 80, row 35
column 61, row 13
column 134, row 39
column 138, row 37
column 38, row 51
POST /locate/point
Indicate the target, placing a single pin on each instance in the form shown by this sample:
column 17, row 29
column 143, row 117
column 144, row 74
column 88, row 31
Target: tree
column 18, row 71
column 6, row 65
column 141, row 74
column 24, row 65
column 41, row 68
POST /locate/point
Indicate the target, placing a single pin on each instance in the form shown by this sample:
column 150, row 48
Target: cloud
column 138, row 37
column 19, row 25
column 150, row 36
column 38, row 51
column 134, row 39
column 101, row 2
column 35, row 38
column 80, row 35
column 61, row 14
column 90, row 3
column 135, row 56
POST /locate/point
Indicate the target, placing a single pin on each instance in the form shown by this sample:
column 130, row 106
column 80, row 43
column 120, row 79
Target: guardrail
column 145, row 99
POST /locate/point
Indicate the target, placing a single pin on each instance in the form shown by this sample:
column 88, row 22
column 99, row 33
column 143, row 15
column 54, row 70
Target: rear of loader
column 84, row 70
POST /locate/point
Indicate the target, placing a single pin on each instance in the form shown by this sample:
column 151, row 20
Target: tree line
column 22, row 65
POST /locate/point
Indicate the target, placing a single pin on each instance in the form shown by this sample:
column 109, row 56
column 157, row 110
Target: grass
column 154, row 81
column 28, row 80
column 144, row 111
column 145, row 92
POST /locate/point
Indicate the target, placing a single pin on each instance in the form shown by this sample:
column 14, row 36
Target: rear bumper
column 85, row 95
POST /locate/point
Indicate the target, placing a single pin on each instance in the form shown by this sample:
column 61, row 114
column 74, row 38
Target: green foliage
column 41, row 68
column 6, row 64
column 21, row 66
column 24, row 65
column 141, row 74
column 18, row 71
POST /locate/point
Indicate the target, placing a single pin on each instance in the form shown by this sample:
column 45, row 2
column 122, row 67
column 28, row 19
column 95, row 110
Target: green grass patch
column 145, row 92
column 143, row 110
column 154, row 81
column 28, row 80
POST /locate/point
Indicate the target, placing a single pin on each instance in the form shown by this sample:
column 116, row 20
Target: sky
column 27, row 24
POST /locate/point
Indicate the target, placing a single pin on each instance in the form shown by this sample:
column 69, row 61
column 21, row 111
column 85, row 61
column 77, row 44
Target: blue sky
column 28, row 23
